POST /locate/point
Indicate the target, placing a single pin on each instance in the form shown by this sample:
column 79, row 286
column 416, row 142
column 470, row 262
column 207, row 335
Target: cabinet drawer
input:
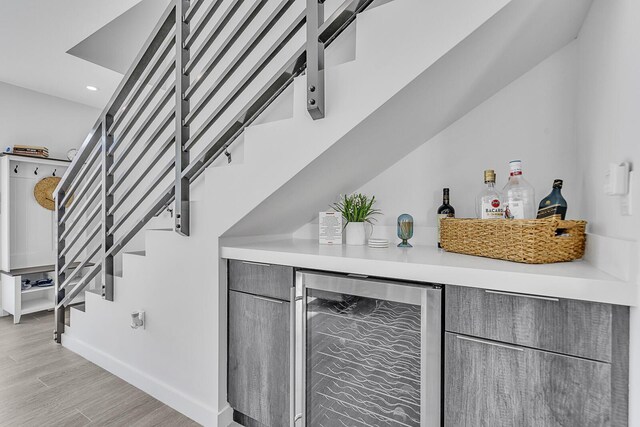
column 274, row 281
column 576, row 328
column 494, row 384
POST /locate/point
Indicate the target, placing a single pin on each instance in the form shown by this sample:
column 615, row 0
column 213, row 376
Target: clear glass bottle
column 489, row 201
column 519, row 196
column 554, row 205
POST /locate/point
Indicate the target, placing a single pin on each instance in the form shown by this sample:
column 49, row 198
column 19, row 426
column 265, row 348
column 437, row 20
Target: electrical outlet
column 137, row 320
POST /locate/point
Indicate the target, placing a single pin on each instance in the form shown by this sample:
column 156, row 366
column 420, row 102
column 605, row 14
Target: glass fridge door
column 362, row 361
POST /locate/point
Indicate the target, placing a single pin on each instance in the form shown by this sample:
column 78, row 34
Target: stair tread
column 80, row 307
column 137, row 253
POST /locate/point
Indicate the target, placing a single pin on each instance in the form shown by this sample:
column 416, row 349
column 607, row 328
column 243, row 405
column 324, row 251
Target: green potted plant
column 357, row 209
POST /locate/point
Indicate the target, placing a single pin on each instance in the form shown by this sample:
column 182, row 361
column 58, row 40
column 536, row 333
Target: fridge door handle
column 292, row 358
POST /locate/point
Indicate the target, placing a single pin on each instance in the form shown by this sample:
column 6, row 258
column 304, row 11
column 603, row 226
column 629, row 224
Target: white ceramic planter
column 356, row 235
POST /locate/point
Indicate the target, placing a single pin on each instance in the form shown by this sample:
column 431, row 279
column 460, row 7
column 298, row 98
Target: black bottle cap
column 445, row 191
column 557, row 183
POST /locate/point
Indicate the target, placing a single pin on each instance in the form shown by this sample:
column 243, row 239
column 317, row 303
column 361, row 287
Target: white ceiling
column 35, row 36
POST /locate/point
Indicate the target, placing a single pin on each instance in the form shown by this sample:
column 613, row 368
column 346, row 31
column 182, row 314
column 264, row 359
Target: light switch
column 617, row 179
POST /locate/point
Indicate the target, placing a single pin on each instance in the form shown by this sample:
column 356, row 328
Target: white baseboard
column 225, row 416
column 192, row 408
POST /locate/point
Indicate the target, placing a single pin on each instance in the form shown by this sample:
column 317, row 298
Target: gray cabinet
column 274, row 281
column 577, row 328
column 258, row 344
column 494, row 384
column 523, row 360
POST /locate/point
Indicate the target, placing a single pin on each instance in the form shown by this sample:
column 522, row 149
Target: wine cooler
column 367, row 352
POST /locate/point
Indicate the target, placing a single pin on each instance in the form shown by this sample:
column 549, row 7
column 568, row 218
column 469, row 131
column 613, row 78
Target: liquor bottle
column 489, row 201
column 444, row 211
column 554, row 205
column 519, row 196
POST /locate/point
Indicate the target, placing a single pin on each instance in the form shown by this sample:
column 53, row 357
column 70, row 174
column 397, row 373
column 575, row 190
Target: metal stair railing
column 208, row 70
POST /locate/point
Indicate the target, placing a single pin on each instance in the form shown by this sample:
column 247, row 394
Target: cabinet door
column 259, row 358
column 567, row 391
column 494, row 384
column 484, row 383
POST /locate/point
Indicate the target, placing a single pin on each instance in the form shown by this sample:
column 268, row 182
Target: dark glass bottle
column 445, row 211
column 554, row 205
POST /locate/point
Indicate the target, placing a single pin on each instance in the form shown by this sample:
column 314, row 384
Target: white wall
column 532, row 119
column 608, row 130
column 32, row 118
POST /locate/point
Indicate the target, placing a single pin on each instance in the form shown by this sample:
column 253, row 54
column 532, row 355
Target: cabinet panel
column 273, row 281
column 567, row 391
column 259, row 358
column 484, row 383
column 577, row 328
column 493, row 384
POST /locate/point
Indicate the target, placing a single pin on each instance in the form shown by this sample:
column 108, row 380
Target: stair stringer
column 193, row 379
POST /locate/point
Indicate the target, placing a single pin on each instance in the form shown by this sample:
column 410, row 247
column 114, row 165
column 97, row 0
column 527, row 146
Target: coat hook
column 54, row 172
column 16, row 169
column 228, row 154
column 35, row 172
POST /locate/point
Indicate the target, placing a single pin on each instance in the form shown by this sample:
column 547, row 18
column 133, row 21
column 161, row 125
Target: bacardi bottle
column 489, row 201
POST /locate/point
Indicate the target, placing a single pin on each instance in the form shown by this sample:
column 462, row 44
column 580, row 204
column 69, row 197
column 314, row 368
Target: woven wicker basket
column 535, row 241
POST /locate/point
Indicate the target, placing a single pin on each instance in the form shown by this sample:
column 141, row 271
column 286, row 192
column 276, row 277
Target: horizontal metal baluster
column 165, row 50
column 163, row 172
column 121, row 179
column 164, row 77
column 84, row 208
column 340, row 19
column 232, row 37
column 206, row 17
column 92, row 215
column 91, row 161
column 233, row 66
column 82, row 157
column 275, row 86
column 193, row 9
column 243, row 84
column 85, row 188
column 76, row 271
column 80, row 286
column 145, row 194
column 163, row 199
column 145, row 125
column 244, row 52
column 79, row 234
column 217, row 28
column 136, row 74
column 278, row 83
column 92, row 235
column 153, row 138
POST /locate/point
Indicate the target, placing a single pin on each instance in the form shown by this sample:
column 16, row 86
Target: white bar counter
column 574, row 280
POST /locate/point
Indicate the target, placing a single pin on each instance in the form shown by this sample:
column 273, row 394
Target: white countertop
column 574, row 280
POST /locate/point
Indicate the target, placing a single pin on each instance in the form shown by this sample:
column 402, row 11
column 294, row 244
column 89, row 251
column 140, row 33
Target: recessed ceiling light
column 92, row 88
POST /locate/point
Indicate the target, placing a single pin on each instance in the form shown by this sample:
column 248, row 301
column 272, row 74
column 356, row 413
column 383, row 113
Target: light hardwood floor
column 44, row 384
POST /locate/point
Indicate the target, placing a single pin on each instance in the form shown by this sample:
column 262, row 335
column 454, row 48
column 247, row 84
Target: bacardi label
column 492, row 209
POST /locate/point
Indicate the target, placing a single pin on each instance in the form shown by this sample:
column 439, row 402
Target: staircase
column 222, row 118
